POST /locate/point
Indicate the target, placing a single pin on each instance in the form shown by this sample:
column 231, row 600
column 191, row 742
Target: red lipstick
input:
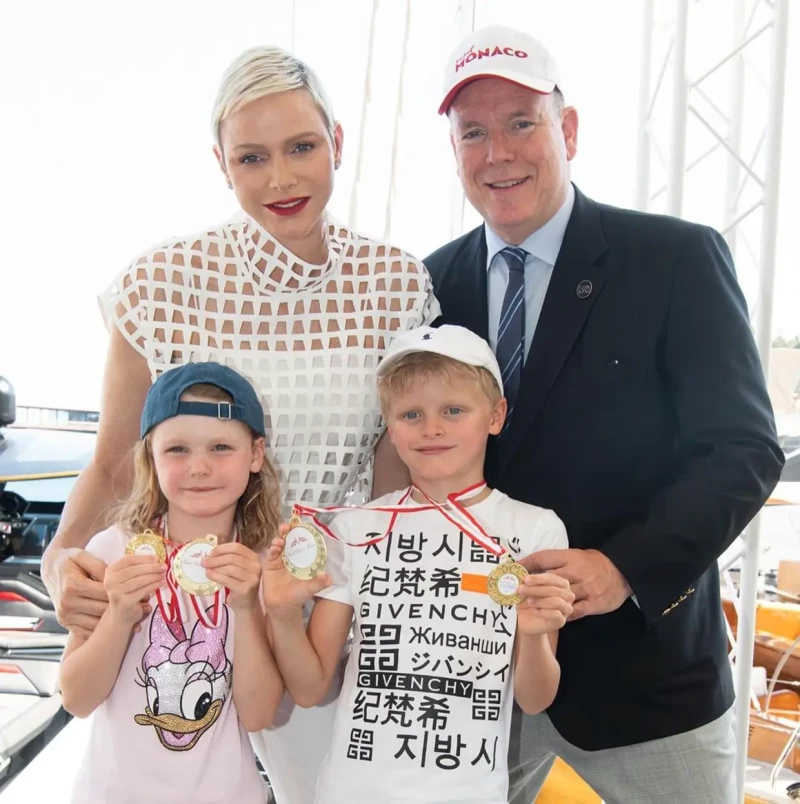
column 289, row 206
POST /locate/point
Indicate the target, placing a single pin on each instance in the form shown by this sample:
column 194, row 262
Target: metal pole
column 465, row 24
column 746, row 633
column 387, row 225
column 680, row 113
column 733, row 173
column 772, row 183
column 642, row 192
column 745, row 644
column 367, row 90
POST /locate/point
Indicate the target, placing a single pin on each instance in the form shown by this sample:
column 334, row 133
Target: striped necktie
column 510, row 349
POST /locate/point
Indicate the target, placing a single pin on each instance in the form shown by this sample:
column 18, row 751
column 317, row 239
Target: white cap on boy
column 499, row 52
column 451, row 341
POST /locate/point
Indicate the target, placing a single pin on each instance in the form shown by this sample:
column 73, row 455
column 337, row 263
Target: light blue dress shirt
column 542, row 247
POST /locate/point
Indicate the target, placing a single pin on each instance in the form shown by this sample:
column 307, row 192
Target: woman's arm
column 308, row 659
column 536, row 672
column 80, row 600
column 257, row 684
column 89, row 668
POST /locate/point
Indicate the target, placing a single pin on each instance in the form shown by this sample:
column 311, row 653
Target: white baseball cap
column 451, row 341
column 499, row 52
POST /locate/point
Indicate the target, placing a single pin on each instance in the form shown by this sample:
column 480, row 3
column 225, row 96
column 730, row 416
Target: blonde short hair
column 426, row 365
column 262, row 71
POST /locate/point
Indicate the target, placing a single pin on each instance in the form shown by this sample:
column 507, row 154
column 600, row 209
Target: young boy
column 425, row 709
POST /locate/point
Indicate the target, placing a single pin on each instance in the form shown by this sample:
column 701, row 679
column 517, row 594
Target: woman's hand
column 547, row 604
column 283, row 593
column 238, row 568
column 74, row 579
column 129, row 583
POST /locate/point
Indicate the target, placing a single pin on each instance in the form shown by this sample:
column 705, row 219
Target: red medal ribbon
column 480, row 536
column 174, row 608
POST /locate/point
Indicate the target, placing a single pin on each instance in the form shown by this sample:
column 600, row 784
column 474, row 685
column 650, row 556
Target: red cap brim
column 446, row 103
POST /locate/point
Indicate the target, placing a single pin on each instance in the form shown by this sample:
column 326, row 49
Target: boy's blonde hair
column 263, row 71
column 426, row 365
column 257, row 513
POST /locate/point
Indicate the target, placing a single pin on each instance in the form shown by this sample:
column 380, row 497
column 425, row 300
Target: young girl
column 171, row 715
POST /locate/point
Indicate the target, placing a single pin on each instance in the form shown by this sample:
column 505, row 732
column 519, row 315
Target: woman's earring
column 337, row 164
column 230, row 184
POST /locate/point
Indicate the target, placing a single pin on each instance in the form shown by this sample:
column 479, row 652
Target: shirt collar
column 544, row 243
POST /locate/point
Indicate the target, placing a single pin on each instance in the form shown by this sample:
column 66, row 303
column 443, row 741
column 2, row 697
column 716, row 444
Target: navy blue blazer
column 643, row 421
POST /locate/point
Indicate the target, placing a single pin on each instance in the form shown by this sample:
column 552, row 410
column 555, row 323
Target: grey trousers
column 697, row 767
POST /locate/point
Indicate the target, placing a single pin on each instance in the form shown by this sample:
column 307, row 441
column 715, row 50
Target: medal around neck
column 304, row 551
column 147, row 543
column 189, row 572
column 504, row 582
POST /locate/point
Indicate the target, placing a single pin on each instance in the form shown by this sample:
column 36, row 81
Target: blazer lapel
column 576, row 283
column 462, row 288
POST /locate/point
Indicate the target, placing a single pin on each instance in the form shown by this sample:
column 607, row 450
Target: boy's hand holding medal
column 287, row 586
column 237, row 568
column 546, row 605
column 129, row 584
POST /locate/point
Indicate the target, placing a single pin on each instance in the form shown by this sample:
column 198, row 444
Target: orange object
column 768, row 738
column 564, row 786
column 474, row 583
column 772, row 617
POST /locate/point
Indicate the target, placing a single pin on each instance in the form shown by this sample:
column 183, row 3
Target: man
column 638, row 413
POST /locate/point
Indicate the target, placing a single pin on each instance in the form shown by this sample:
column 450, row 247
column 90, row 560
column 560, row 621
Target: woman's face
column 278, row 155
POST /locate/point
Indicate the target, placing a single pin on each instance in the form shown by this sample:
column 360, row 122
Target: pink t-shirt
column 168, row 733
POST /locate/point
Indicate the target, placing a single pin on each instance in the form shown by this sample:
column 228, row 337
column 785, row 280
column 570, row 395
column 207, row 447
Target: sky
column 106, row 140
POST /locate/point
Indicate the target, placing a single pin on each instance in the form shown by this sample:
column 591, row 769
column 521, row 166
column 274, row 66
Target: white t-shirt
column 168, row 733
column 425, row 708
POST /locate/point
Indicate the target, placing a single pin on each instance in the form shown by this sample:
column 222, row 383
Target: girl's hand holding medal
column 282, row 591
column 237, row 568
column 546, row 605
column 129, row 584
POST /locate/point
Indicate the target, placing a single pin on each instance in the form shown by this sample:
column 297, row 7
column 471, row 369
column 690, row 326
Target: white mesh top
column 309, row 337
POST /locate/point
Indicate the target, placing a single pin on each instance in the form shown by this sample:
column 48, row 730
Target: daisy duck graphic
column 187, row 679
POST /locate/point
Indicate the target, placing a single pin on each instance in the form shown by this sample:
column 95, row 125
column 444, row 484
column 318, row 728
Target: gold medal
column 148, row 543
column 189, row 572
column 504, row 582
column 304, row 551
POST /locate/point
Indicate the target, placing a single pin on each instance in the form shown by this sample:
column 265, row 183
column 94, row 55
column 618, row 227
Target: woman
column 301, row 305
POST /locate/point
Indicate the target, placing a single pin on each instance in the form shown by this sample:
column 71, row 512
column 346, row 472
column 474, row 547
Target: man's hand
column 598, row 585
column 74, row 579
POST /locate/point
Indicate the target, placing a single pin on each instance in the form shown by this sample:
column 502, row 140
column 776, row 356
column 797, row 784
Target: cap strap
column 214, row 410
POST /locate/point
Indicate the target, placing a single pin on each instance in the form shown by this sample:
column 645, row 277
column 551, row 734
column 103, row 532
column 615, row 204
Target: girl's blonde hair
column 264, row 71
column 257, row 513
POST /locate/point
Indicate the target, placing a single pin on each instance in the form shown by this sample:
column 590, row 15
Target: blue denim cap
column 164, row 397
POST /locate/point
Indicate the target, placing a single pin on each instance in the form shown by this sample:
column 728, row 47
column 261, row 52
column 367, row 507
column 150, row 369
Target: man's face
column 512, row 150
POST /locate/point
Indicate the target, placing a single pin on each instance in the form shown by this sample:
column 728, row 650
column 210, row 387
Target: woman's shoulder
column 383, row 255
column 192, row 250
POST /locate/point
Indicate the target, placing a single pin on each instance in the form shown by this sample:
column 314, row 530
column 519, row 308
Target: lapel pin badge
column 584, row 289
